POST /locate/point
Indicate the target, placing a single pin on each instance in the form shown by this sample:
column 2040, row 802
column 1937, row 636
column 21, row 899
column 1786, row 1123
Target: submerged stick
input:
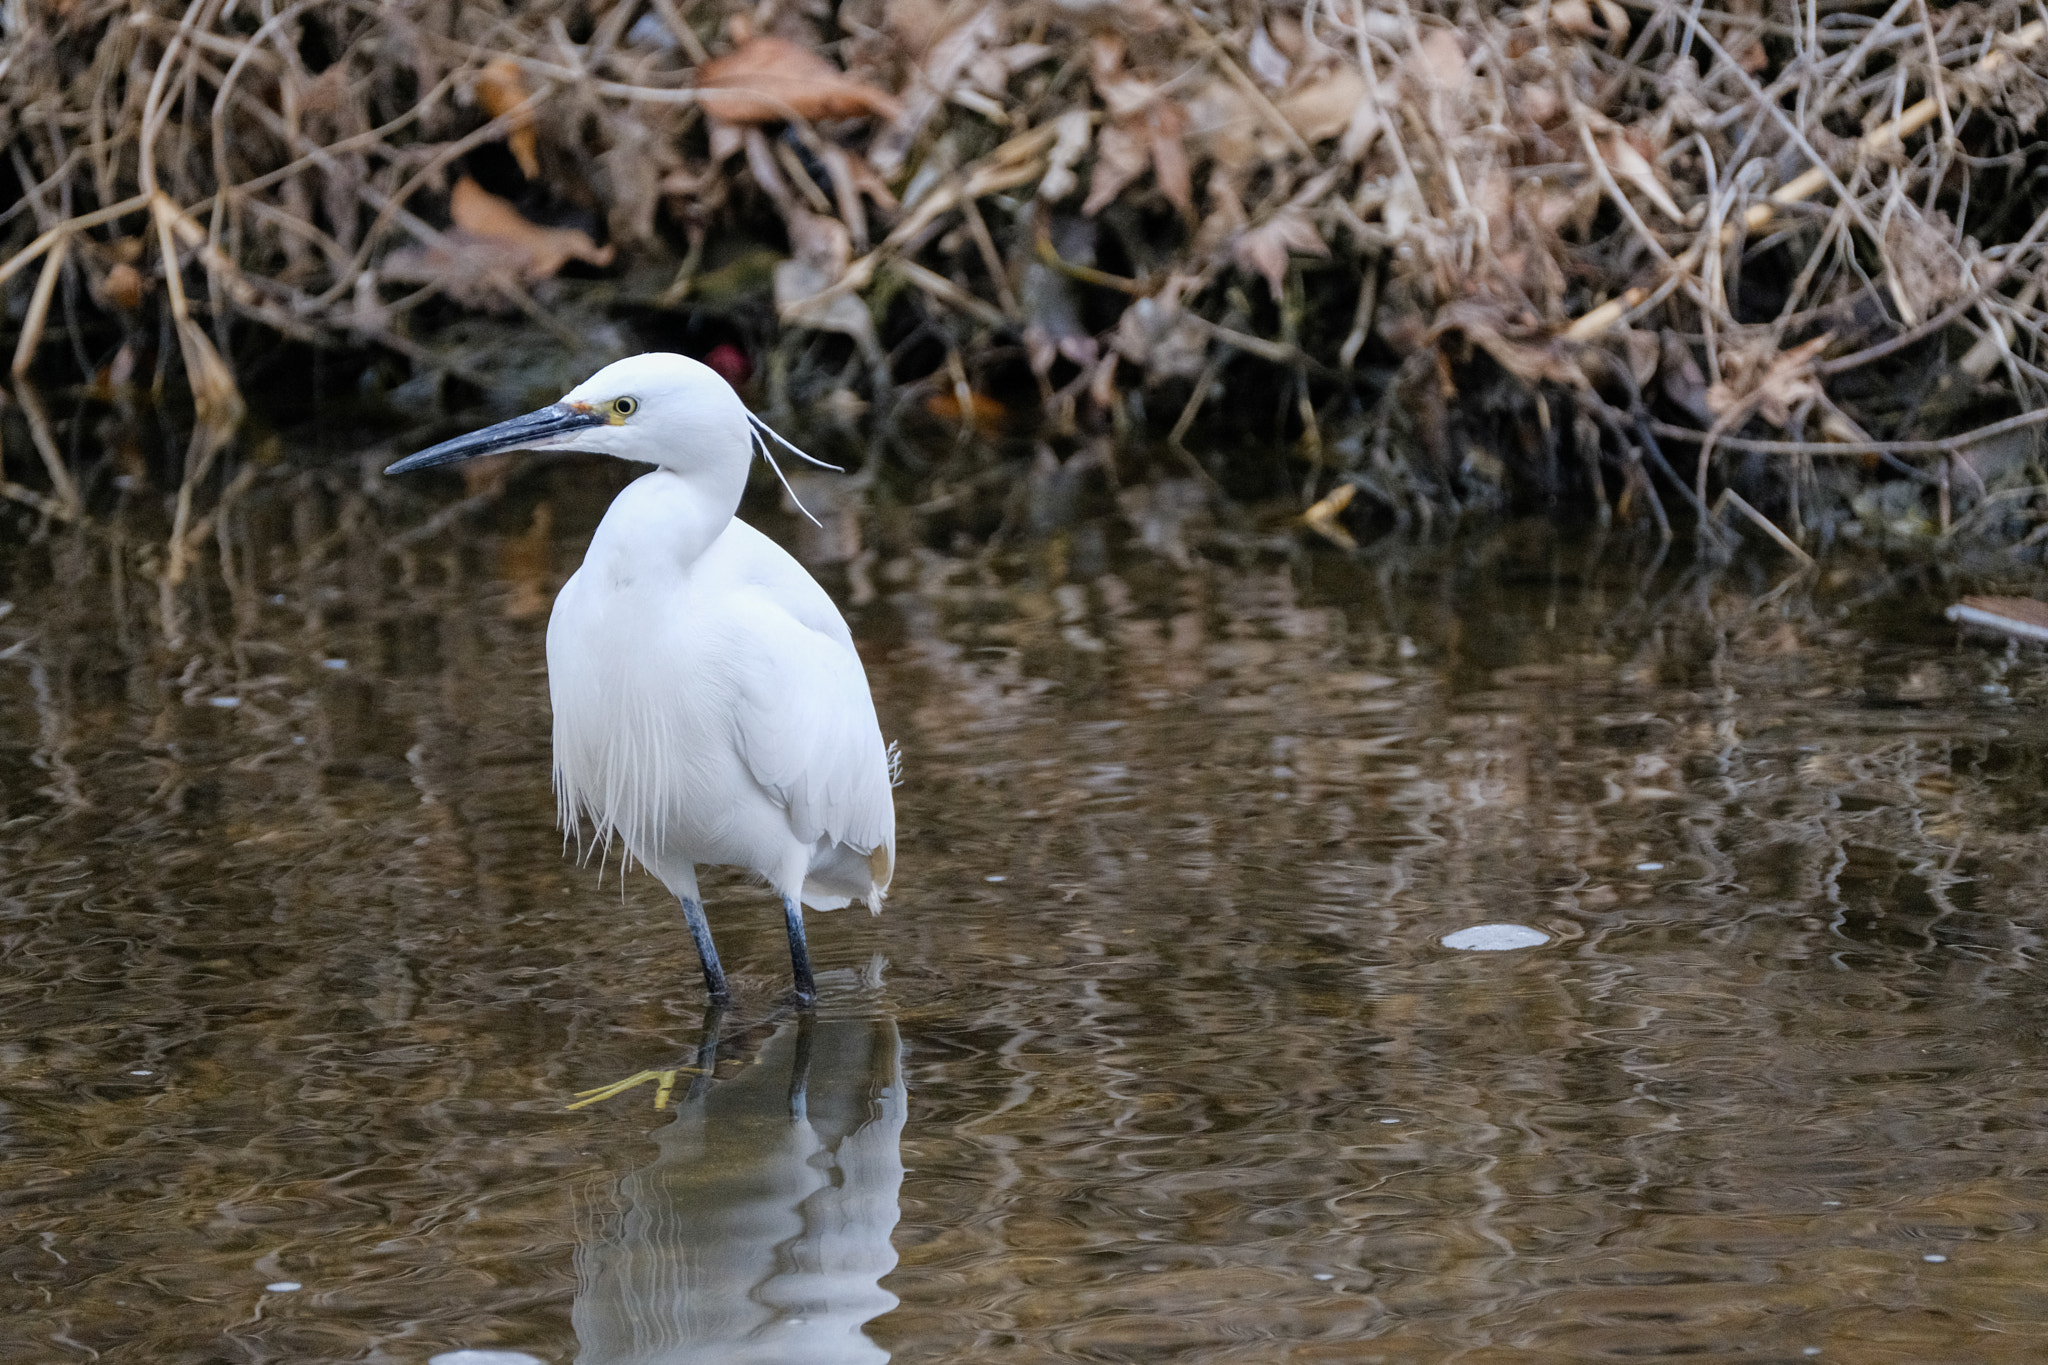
column 2020, row 617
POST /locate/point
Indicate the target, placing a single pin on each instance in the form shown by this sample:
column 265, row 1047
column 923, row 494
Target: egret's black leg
column 707, row 951
column 799, row 953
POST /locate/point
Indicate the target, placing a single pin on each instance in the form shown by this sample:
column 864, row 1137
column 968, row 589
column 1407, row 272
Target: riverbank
column 1628, row 263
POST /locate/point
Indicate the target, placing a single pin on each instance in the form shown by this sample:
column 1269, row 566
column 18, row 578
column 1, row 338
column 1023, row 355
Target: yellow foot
column 664, row 1083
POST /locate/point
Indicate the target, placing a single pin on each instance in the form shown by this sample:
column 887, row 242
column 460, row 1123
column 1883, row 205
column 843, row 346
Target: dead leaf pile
column 1575, row 250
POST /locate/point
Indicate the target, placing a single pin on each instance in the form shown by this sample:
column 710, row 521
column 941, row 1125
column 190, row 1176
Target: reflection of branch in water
column 207, row 443
column 67, row 504
column 55, row 740
column 762, row 1231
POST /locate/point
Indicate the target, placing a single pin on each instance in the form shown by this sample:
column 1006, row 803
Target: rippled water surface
column 1157, row 1053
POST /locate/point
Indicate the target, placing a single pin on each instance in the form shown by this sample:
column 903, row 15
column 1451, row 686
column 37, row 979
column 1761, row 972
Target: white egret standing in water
column 709, row 705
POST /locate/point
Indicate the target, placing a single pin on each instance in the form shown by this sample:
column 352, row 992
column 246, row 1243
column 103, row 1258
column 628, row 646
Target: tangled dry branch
column 1470, row 251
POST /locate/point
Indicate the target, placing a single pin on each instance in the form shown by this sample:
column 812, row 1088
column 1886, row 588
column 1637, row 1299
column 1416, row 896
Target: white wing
column 805, row 722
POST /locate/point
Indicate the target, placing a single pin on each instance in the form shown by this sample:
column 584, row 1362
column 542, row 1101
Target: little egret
column 709, row 705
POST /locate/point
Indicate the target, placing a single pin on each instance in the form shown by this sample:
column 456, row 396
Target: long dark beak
column 517, row 433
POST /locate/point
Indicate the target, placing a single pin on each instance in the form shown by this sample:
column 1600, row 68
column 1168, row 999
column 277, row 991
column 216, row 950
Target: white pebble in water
column 283, row 1286
column 1322, row 1275
column 995, row 879
column 1934, row 1258
column 1494, row 938
column 1649, row 867
column 484, row 1358
column 224, row 703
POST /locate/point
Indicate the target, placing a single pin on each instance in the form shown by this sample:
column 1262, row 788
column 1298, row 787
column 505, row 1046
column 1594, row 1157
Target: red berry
column 730, row 362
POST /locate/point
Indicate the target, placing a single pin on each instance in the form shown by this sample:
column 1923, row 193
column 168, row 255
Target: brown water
column 1156, row 1054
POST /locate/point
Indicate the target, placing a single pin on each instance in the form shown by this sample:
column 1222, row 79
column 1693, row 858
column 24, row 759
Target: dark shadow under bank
column 921, row 482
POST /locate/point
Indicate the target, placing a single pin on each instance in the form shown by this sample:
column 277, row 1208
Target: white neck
column 664, row 521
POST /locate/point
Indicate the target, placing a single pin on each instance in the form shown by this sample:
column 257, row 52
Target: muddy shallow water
column 1157, row 1053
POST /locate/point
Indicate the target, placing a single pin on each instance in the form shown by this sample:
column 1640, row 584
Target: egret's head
column 657, row 408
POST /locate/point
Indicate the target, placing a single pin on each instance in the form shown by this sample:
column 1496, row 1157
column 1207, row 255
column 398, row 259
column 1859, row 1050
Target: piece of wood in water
column 2020, row 616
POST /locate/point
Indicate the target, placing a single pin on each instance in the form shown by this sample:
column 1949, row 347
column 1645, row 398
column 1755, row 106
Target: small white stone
column 995, row 879
column 1322, row 1275
column 1649, row 867
column 484, row 1358
column 1494, row 938
column 1934, row 1258
column 1390, row 1120
column 224, row 703
column 283, row 1286
column 142, row 1073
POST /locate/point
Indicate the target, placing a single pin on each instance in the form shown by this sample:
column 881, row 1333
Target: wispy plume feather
column 763, row 433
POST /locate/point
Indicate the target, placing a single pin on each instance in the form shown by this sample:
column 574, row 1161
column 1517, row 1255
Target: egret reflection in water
column 761, row 1233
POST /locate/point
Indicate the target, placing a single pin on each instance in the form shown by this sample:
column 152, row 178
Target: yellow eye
column 625, row 407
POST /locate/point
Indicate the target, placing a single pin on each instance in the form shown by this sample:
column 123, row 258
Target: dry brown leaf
column 1156, row 334
column 634, row 168
column 1784, row 383
column 1165, row 127
column 1538, row 103
column 1223, row 125
column 940, row 76
column 1591, row 19
column 536, row 252
column 1123, row 94
column 1122, row 152
column 1264, row 249
column 1070, row 142
column 1324, row 105
column 803, row 284
column 982, row 411
column 1226, row 217
column 1438, row 63
column 767, row 79
column 501, row 88
column 1145, row 126
column 917, row 22
column 1526, row 351
column 990, row 72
